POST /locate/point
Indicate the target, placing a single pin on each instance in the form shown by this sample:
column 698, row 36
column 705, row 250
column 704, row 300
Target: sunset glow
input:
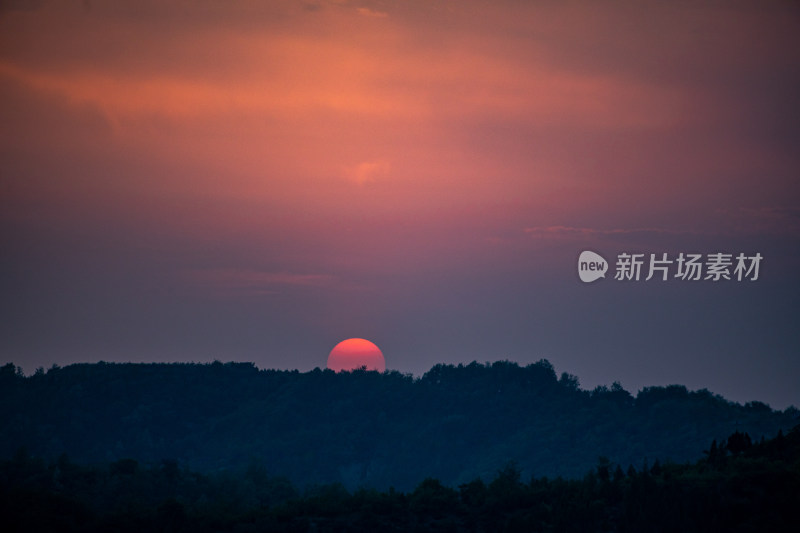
column 246, row 180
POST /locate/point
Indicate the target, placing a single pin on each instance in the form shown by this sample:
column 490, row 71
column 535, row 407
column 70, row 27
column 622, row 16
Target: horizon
column 485, row 364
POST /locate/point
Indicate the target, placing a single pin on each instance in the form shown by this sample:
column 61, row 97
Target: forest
column 738, row 485
column 361, row 429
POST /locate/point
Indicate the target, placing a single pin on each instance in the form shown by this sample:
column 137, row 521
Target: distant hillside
column 362, row 428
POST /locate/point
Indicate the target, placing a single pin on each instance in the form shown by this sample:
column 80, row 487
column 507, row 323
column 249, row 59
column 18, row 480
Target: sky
column 257, row 181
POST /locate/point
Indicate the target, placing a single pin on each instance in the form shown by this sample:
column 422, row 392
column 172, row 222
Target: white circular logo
column 591, row 266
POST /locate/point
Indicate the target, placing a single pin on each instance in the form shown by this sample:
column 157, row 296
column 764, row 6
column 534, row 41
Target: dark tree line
column 454, row 424
column 738, row 486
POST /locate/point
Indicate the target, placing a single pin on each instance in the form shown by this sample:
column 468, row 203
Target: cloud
column 569, row 231
column 255, row 281
column 367, row 12
column 789, row 214
column 368, row 171
column 20, row 5
column 727, row 223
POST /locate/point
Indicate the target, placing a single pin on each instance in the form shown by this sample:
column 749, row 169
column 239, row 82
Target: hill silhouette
column 455, row 423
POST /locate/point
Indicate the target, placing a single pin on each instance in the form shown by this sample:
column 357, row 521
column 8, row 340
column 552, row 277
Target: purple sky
column 257, row 181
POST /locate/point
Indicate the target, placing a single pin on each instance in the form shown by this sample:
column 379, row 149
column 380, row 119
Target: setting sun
column 352, row 354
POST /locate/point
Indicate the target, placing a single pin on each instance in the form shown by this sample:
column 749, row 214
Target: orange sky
column 360, row 156
column 402, row 105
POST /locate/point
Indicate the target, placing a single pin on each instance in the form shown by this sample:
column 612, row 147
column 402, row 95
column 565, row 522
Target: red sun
column 352, row 354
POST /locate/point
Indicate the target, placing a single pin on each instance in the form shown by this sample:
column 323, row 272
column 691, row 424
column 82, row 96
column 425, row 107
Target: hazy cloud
column 367, row 12
column 368, row 171
column 20, row 5
column 256, row 281
column 568, row 231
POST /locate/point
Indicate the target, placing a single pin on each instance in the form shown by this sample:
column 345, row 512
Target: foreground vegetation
column 737, row 486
